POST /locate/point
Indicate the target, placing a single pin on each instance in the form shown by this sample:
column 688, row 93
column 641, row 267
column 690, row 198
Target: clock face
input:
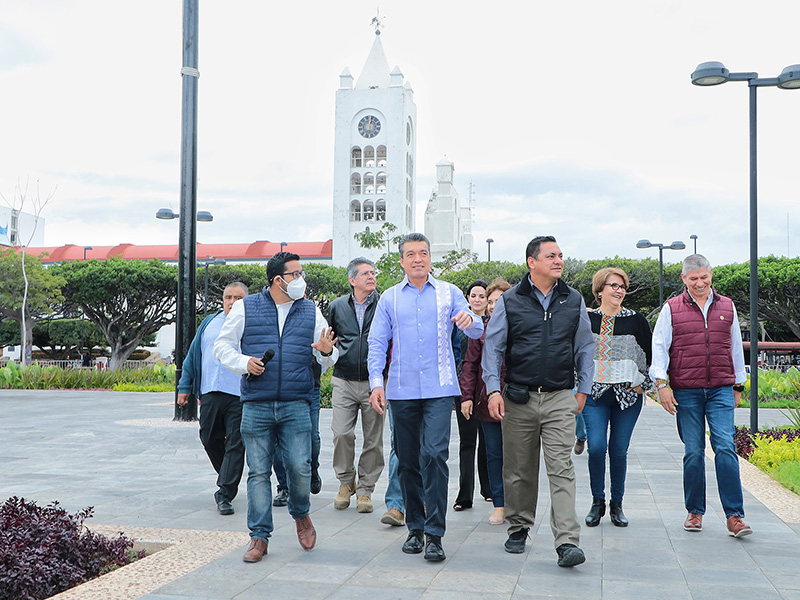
column 369, row 126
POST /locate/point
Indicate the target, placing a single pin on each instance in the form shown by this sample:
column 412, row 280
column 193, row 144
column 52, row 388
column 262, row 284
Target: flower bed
column 776, row 451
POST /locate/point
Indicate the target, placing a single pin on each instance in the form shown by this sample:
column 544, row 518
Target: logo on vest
column 722, row 317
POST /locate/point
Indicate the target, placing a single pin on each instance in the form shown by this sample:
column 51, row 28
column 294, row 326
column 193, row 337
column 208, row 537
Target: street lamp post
column 186, row 309
column 661, row 247
column 211, row 261
column 85, row 248
column 283, row 245
column 715, row 73
column 489, row 249
column 693, row 237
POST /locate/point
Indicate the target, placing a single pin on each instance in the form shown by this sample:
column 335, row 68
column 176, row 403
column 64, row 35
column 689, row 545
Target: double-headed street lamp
column 715, row 73
column 661, row 247
column 186, row 301
column 489, row 249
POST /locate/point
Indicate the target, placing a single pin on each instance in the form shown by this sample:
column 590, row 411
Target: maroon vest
column 700, row 353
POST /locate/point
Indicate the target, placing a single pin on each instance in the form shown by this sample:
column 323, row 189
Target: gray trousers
column 350, row 397
column 547, row 421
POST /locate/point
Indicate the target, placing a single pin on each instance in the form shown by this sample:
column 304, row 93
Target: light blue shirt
column 418, row 323
column 215, row 377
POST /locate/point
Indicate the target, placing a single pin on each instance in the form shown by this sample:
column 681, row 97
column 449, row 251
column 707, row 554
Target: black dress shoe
column 433, row 548
column 596, row 513
column 414, row 542
column 515, row 544
column 281, row 498
column 616, row 514
column 316, row 481
column 570, row 555
column 224, row 507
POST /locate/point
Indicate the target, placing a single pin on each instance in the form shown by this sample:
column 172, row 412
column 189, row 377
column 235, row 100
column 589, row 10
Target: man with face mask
column 275, row 393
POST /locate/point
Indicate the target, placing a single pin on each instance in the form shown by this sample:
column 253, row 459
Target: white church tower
column 448, row 221
column 374, row 155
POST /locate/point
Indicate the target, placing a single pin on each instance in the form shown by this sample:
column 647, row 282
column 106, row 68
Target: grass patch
column 788, row 475
column 783, row 402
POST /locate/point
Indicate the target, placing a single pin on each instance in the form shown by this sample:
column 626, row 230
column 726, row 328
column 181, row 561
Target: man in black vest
column 275, row 394
column 542, row 327
column 351, row 317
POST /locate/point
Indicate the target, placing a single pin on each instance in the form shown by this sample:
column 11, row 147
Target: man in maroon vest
column 698, row 367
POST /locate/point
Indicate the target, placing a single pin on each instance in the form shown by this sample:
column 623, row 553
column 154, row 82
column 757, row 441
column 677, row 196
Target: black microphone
column 264, row 359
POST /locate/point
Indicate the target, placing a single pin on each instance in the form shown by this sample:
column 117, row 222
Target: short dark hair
column 277, row 263
column 412, row 237
column 474, row 284
column 532, row 251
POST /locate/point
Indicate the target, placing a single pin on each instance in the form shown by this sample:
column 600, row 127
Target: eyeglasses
column 618, row 286
column 295, row 274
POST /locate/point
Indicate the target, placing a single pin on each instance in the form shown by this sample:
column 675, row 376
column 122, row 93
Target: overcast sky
column 575, row 119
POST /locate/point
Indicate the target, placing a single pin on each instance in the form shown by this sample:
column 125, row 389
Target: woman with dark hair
column 470, row 435
column 622, row 354
column 474, row 403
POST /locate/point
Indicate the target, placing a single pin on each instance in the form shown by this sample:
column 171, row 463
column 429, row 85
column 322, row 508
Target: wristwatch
column 661, row 386
column 738, row 388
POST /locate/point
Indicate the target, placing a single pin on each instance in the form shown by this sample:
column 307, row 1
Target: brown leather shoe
column 693, row 522
column 738, row 528
column 256, row 551
column 306, row 534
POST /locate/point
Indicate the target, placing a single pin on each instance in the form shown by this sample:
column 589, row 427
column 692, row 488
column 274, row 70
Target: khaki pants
column 547, row 421
column 348, row 398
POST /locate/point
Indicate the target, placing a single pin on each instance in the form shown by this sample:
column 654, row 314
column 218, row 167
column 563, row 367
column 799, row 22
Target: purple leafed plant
column 745, row 444
column 45, row 550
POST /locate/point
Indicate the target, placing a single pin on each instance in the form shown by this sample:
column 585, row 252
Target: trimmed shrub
column 770, row 452
column 45, row 550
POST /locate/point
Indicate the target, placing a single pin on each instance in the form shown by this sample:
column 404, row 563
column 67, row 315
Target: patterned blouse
column 622, row 354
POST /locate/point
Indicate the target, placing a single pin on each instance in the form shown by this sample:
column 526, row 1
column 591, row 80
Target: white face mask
column 296, row 288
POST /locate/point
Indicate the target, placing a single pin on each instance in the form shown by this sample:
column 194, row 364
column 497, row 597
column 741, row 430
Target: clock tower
column 374, row 155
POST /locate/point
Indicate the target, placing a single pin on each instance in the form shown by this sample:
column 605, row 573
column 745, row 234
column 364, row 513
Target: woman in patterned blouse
column 622, row 356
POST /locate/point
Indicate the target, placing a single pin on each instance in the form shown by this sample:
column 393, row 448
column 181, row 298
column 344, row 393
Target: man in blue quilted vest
column 276, row 390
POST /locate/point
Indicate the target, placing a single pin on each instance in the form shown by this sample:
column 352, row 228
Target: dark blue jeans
column 425, row 500
column 493, row 434
column 695, row 407
column 313, row 408
column 609, row 430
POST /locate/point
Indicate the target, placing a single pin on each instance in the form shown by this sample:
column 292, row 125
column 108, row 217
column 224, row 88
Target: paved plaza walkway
column 149, row 478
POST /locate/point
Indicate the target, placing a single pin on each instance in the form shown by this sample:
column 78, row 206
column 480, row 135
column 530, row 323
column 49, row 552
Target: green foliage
column 219, row 276
column 377, row 239
column 788, row 475
column 44, row 285
column 325, row 283
column 127, row 299
column 487, row 271
column 36, row 377
column 453, row 261
column 770, row 453
column 326, row 389
column 775, row 385
column 144, row 387
column 778, row 289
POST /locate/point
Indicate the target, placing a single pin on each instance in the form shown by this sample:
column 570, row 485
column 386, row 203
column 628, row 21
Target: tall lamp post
column 85, row 248
column 661, row 247
column 185, row 325
column 489, row 249
column 693, row 237
column 210, row 261
column 714, row 73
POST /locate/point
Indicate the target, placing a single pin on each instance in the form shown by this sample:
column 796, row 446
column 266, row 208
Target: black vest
column 539, row 352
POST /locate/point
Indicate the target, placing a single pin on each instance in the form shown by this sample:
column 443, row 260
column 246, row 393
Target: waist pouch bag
column 516, row 393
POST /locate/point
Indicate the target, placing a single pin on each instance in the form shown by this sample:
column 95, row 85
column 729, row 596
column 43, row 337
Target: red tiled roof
column 259, row 251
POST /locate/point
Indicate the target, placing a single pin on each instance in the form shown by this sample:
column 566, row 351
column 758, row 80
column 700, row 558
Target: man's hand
column 377, row 399
column 581, row 399
column 737, row 397
column 462, row 320
column 668, row 400
column 326, row 341
column 466, row 409
column 182, row 399
column 497, row 408
column 255, row 366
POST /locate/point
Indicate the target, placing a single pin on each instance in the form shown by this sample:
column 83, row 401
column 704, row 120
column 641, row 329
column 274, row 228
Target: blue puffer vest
column 288, row 374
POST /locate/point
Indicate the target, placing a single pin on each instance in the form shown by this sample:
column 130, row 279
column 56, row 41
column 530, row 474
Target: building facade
column 374, row 155
column 448, row 220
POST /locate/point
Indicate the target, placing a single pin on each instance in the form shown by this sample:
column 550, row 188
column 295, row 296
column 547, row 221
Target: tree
column 26, row 297
column 778, row 289
column 37, row 206
column 376, row 239
column 325, row 284
column 389, row 270
column 455, row 260
column 127, row 299
column 220, row 276
column 60, row 338
column 487, row 271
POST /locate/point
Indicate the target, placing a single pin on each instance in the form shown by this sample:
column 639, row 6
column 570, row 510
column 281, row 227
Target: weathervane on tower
column 376, row 22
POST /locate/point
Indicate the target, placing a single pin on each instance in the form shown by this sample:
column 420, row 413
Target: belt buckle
column 540, row 390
